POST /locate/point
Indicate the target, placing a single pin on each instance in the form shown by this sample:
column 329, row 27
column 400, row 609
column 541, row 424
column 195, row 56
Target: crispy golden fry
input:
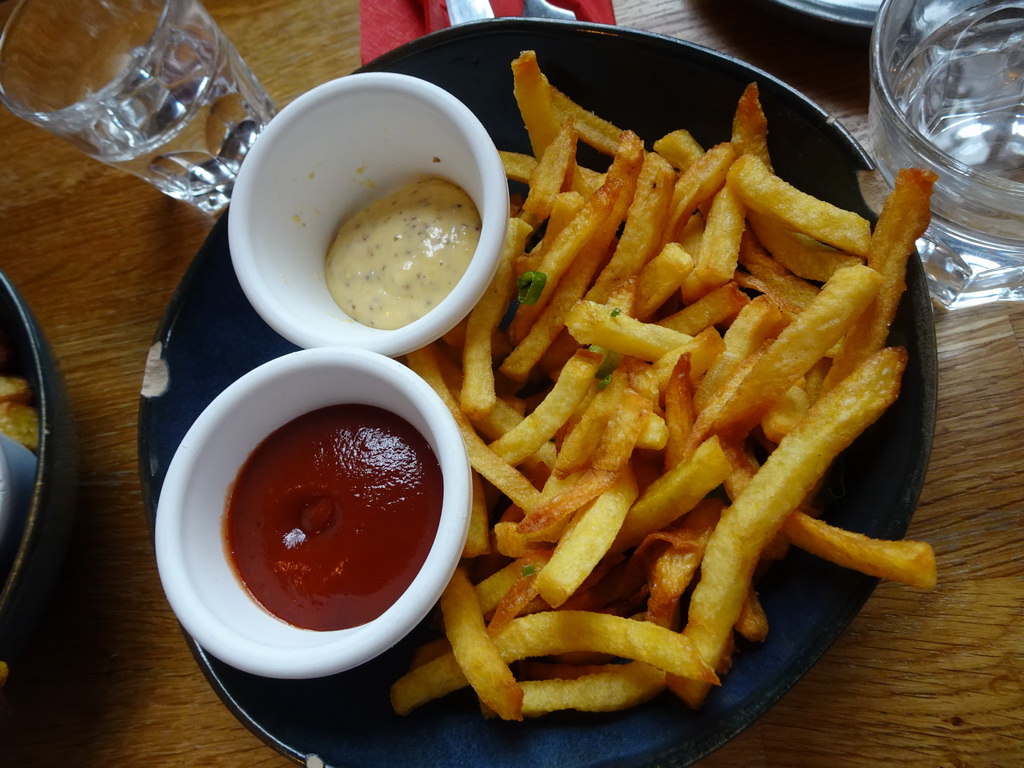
column 719, row 247
column 478, row 396
column 696, row 185
column 767, row 194
column 559, row 632
column 680, row 414
column 679, row 148
column 552, row 633
column 533, row 95
column 554, row 410
column 614, row 687
column 478, row 540
column 903, row 220
column 611, row 328
column 755, row 323
column 595, row 131
column 553, row 173
column 750, row 126
column 782, row 483
column 717, row 307
column 645, row 220
column 610, row 459
column 798, row 253
column 766, row 275
column 674, row 494
column 581, row 548
column 475, row 652
column 518, row 167
column 752, row 622
column 592, row 230
column 681, row 550
column 786, row 413
column 909, row 562
column 660, row 278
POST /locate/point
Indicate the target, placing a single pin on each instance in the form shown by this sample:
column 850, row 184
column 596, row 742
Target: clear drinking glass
column 152, row 87
column 947, row 94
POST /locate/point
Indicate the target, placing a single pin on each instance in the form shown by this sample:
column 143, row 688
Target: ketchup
column 333, row 514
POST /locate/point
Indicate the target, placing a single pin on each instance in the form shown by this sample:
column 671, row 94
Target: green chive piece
column 615, row 312
column 530, row 286
column 529, row 570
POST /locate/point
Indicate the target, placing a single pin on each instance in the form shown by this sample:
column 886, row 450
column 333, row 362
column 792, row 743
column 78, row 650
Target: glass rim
column 19, row 108
column 937, row 158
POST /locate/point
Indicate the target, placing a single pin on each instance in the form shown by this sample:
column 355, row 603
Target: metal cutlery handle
column 461, row 11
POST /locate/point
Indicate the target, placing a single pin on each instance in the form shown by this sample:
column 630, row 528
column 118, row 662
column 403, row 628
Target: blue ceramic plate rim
column 27, row 588
column 359, row 729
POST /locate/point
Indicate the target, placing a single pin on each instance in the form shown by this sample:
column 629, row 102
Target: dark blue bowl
column 650, row 84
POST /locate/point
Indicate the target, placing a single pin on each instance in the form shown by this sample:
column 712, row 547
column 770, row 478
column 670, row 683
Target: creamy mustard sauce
column 399, row 257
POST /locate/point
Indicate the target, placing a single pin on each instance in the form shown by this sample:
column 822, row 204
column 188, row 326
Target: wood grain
column 919, row 679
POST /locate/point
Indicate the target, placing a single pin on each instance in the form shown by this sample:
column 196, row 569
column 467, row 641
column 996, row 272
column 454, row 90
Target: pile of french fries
column 672, row 352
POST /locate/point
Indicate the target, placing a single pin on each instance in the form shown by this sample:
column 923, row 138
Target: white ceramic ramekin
column 327, row 155
column 195, row 567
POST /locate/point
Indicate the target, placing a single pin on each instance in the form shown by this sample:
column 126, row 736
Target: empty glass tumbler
column 152, row 87
column 947, row 94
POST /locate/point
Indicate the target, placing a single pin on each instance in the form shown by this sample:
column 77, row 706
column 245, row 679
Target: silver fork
column 542, row 9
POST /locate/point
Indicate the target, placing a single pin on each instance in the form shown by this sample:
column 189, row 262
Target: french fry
column 674, row 494
column 766, row 193
column 798, row 253
column 609, row 327
column 640, row 239
column 533, row 95
column 553, row 173
column 553, row 633
column 679, row 148
column 478, row 396
column 909, row 562
column 610, row 459
column 478, row 540
column 597, row 132
column 475, row 652
column 14, row 389
column 680, row 415
column 518, row 167
column 750, row 126
column 716, row 307
column 554, row 410
column 579, row 550
column 720, row 246
column 755, row 323
column 672, row 571
column 696, row 185
column 20, row 422
column 903, row 220
column 559, row 632
column 593, row 228
column 660, row 278
column 768, row 276
column 615, row 687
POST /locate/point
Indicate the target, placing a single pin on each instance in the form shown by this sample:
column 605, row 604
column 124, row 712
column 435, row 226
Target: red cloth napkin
column 386, row 24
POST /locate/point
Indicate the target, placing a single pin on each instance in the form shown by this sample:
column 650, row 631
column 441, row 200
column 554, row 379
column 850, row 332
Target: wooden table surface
column 922, row 679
